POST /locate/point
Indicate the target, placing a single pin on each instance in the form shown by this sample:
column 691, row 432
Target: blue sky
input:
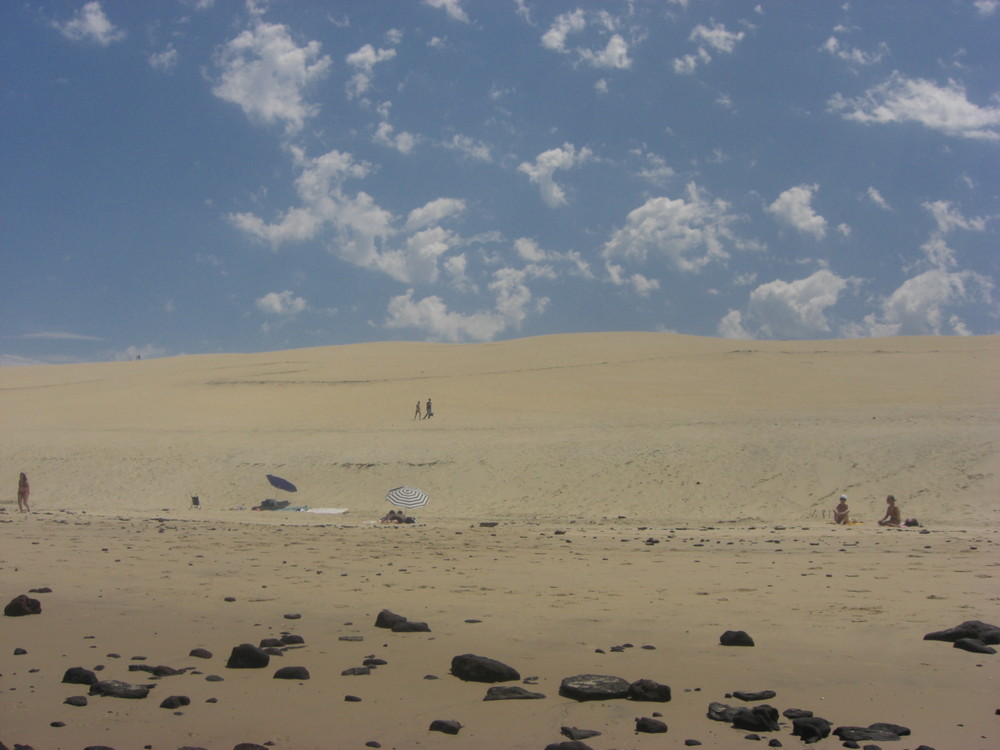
column 189, row 176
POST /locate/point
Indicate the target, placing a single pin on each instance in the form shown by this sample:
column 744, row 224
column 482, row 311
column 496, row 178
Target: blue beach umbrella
column 281, row 484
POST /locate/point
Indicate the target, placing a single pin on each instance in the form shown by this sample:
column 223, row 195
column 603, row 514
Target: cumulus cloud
column 640, row 284
column 793, row 208
column 689, row 232
column 986, row 8
column 715, row 37
column 787, row 309
column 513, row 303
column 434, row 212
column 386, row 135
column 452, row 7
column 876, row 197
column 613, row 55
column 164, row 61
column 90, row 25
column 563, row 25
column 471, row 148
column 948, row 217
column 899, row 99
column 542, row 169
column 364, row 61
column 266, row 73
column 281, row 303
column 852, row 54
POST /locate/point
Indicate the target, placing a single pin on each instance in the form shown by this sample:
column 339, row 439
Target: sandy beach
column 600, row 504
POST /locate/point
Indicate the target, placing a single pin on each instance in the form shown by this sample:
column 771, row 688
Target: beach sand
column 648, row 491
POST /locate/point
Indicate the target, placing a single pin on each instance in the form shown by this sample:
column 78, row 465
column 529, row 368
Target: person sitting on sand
column 840, row 514
column 393, row 516
column 23, row 490
column 892, row 514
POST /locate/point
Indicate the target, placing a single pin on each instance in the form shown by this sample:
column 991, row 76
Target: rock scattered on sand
column 472, row 668
column 594, row 687
column 175, row 701
column 79, row 676
column 247, row 656
column 386, row 619
column 736, row 638
column 759, row 695
column 250, row 746
column 878, row 732
column 19, row 652
column 356, row 671
column 292, row 673
column 158, row 671
column 796, row 713
column 810, row 729
column 578, row 734
column 569, row 745
column 411, row 626
column 200, row 653
column 509, row 693
column 722, row 712
column 119, row 689
column 290, row 639
column 42, row 590
column 989, row 634
column 649, row 690
column 351, row 638
column 352, row 699
column 214, row 678
column 647, row 725
column 293, row 616
column 22, row 605
column 757, row 719
column 76, row 700
column 448, row 726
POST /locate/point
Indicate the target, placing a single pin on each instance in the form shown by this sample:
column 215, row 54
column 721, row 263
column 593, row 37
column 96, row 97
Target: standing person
column 892, row 515
column 417, row 415
column 23, row 490
column 429, row 412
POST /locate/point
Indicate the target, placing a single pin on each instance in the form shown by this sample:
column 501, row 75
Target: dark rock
column 578, row 734
column 510, row 693
column 882, row 726
column 974, row 645
column 810, row 728
column 760, row 695
column 175, row 701
column 594, row 687
column 721, row 712
column 247, row 656
column 488, row 524
column 214, row 678
column 352, row 699
column 250, row 746
column 98, row 747
column 692, row 743
column 357, row 671
column 19, row 652
column 757, row 719
column 79, row 676
column 775, row 742
column 409, row 626
column 200, row 653
column 292, row 640
column 373, row 743
column 293, row 616
column 373, row 662
column 270, row 643
column 989, row 634
column 42, row 590
column 76, row 700
column 292, row 673
column 158, row 671
column 735, row 638
column 448, row 726
column 752, row 736
column 796, row 713
column 22, row 605
column 119, row 689
column 646, row 725
column 861, row 734
column 273, row 651
column 387, row 619
column 649, row 690
column 570, row 745
column 472, row 668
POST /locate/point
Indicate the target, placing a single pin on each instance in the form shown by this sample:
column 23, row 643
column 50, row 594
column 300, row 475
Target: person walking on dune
column 23, row 490
column 417, row 414
column 429, row 412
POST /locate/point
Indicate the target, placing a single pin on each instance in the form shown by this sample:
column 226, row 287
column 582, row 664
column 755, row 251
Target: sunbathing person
column 840, row 512
column 892, row 515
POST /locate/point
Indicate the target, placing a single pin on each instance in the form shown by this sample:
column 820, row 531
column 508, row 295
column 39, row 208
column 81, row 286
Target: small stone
column 76, row 700
column 293, row 616
column 352, row 699
column 200, row 653
column 19, row 652
column 357, row 671
column 292, row 673
column 647, row 725
column 448, row 726
column 736, row 638
column 175, row 701
column 578, row 734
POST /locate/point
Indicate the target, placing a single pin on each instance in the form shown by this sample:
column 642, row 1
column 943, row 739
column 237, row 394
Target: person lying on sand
column 840, row 512
column 397, row 516
column 892, row 515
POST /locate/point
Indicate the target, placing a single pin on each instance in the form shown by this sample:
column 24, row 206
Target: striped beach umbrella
column 407, row 497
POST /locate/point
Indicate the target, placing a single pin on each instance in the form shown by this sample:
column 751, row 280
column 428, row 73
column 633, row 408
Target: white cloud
column 689, row 233
column 787, row 310
column 876, row 197
column 640, row 284
column 91, row 25
column 473, row 149
column 986, row 8
column 266, row 73
column 452, row 7
column 948, row 217
column 717, row 37
column 564, row 24
column 164, row 61
column 281, row 303
column 513, row 303
column 364, row 62
column 614, row 55
column 852, row 54
column 434, row 212
column 386, row 135
column 60, row 336
column 793, row 207
column 900, row 99
column 541, row 171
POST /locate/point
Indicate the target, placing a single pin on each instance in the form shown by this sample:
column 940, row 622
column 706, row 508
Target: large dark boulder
column 649, row 690
column 578, row 734
column 989, row 634
column 79, row 676
column 22, row 605
column 448, row 726
column 119, row 689
column 387, row 619
column 510, row 693
column 647, row 725
column 594, row 687
column 757, row 719
column 735, row 638
column 810, row 729
column 759, row 695
column 175, row 701
column 247, row 656
column 862, row 734
column 409, row 626
column 292, row 673
column 472, row 668
column 722, row 712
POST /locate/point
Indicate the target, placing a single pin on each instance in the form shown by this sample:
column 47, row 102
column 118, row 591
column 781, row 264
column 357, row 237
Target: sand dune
column 652, row 425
